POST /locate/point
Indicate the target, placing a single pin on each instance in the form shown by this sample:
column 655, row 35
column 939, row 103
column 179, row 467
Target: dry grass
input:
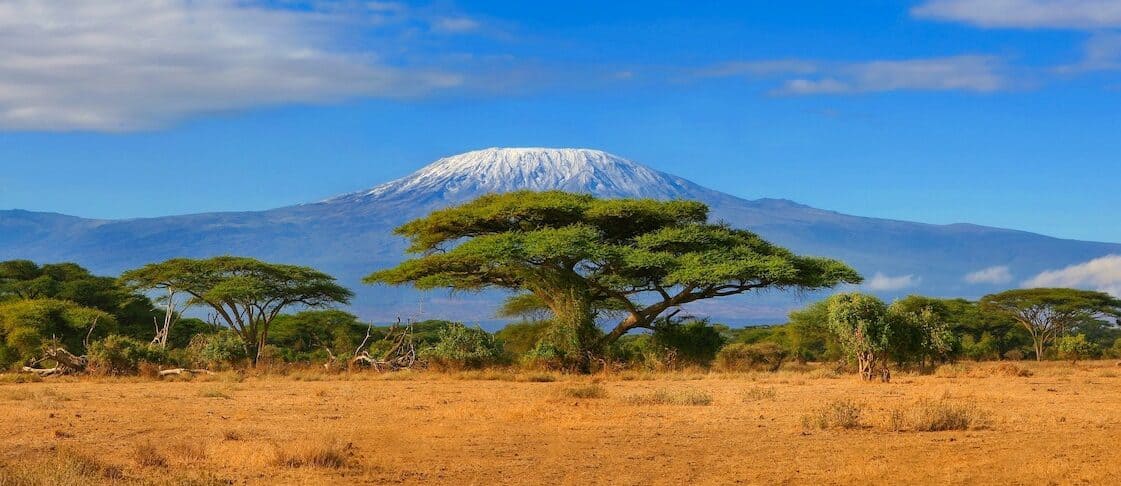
column 671, row 397
column 330, row 454
column 974, row 425
column 587, row 391
column 837, row 414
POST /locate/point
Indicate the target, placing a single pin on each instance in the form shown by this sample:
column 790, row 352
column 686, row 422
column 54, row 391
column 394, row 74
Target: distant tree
column 519, row 338
column 1048, row 313
column 863, row 326
column 924, row 329
column 577, row 253
column 24, row 280
column 808, row 335
column 27, row 326
column 332, row 332
column 1076, row 347
column 246, row 294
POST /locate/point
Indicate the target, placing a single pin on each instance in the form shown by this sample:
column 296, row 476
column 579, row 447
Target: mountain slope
column 350, row 235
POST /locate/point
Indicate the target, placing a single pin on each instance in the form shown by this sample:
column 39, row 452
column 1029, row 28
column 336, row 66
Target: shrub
column 759, row 356
column 937, row 415
column 674, row 397
column 589, row 391
column 839, row 414
column 1014, row 355
column 224, row 347
column 119, row 355
column 758, row 393
column 693, row 343
column 147, row 455
column 462, row 347
column 1076, row 347
column 328, row 455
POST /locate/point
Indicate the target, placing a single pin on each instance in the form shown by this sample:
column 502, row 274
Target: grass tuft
column 672, row 397
column 588, row 391
column 838, row 414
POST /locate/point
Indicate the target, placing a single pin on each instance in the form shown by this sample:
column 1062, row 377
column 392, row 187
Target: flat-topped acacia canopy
column 577, row 253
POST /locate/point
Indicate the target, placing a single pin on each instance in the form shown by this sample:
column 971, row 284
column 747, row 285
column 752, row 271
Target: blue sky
column 1005, row 113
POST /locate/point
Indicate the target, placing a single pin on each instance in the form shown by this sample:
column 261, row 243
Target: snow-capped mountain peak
column 471, row 174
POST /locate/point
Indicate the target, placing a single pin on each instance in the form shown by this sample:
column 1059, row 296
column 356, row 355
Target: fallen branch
column 180, row 371
column 44, row 371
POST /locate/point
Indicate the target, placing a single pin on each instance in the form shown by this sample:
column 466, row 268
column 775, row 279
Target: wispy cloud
column 1028, row 14
column 883, row 283
column 1102, row 274
column 135, row 64
column 807, row 77
column 960, row 73
column 992, row 275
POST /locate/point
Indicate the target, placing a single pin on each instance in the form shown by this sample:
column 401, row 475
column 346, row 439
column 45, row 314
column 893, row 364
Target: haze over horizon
column 940, row 111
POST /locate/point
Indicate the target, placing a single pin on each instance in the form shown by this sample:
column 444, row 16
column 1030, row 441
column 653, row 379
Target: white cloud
column 1101, row 52
column 992, row 275
column 138, row 64
column 760, row 68
column 881, row 282
column 455, row 25
column 958, row 73
column 1028, row 14
column 1103, row 274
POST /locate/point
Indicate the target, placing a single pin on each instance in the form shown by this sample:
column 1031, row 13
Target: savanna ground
column 1060, row 425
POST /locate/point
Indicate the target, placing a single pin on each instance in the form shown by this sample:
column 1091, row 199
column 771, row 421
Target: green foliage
column 462, row 347
column 120, row 355
column 693, row 342
column 181, row 333
column 1049, row 313
column 25, row 280
column 985, row 348
column 923, row 330
column 520, row 337
column 222, row 348
column 27, row 325
column 580, row 255
column 1076, row 347
column 247, row 294
column 863, row 327
column 767, row 356
column 305, row 336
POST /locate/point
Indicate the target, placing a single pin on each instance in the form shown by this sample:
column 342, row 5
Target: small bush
column 589, row 391
column 460, row 347
column 145, row 454
column 1076, row 348
column 1009, row 369
column 540, row 378
column 222, row 348
column 1014, row 355
column 937, row 415
column 672, row 397
column 327, row 455
column 757, row 394
column 214, row 393
column 764, row 356
column 119, row 355
column 838, row 414
column 231, row 435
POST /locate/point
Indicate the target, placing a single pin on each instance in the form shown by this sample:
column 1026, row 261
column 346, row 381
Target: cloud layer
column 884, row 283
column 991, row 275
column 1103, row 274
column 805, row 77
column 136, row 64
column 1031, row 14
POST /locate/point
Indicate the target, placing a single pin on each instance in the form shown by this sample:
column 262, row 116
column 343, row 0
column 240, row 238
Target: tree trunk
column 575, row 331
column 1038, row 342
column 867, row 363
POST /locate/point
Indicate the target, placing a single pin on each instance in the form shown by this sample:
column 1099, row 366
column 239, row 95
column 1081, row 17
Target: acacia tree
column 30, row 326
column 1049, row 313
column 246, row 294
column 576, row 254
column 925, row 327
column 863, row 326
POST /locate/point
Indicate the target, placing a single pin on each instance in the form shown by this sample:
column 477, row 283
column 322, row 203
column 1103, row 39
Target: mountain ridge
column 351, row 234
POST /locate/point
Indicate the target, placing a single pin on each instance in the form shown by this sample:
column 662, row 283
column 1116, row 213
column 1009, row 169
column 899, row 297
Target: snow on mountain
column 470, row 174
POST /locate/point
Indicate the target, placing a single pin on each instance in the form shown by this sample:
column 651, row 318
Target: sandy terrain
column 1061, row 425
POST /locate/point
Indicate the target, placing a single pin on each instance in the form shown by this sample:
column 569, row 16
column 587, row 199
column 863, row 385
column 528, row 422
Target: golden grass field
column 1061, row 425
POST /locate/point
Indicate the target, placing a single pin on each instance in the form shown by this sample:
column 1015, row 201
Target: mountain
column 351, row 235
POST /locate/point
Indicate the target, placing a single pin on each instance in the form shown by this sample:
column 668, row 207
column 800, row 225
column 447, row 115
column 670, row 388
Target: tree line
column 583, row 274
